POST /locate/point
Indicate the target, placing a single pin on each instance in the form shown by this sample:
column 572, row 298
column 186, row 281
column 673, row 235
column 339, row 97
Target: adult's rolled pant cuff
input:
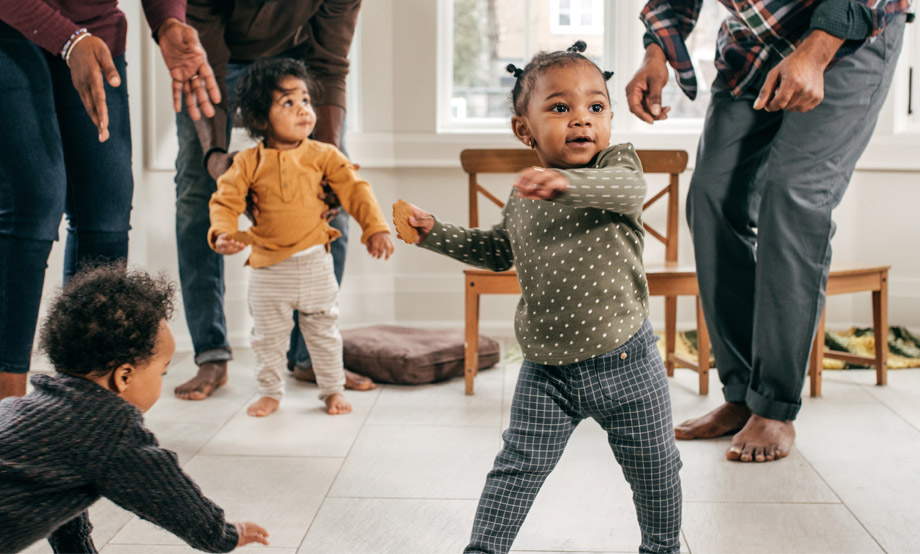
column 215, row 355
column 771, row 408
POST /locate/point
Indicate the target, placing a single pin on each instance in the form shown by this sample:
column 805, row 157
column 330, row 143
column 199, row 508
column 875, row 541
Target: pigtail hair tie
column 579, row 46
column 516, row 71
column 608, row 75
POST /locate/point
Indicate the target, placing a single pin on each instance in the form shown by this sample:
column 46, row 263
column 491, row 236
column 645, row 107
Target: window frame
column 619, row 17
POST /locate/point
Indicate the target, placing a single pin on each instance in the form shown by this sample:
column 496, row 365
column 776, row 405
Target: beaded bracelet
column 78, row 35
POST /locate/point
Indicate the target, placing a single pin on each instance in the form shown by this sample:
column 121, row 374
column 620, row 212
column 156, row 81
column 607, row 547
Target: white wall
column 403, row 157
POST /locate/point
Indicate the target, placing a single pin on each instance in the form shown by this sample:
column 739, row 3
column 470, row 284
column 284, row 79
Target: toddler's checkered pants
column 626, row 391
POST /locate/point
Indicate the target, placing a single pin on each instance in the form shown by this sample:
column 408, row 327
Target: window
column 577, row 16
column 479, row 38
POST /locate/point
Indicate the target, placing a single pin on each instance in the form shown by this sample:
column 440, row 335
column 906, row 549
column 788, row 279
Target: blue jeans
column 52, row 163
column 201, row 270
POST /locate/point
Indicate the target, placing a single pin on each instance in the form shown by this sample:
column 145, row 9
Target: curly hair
column 104, row 317
column 526, row 78
column 254, row 92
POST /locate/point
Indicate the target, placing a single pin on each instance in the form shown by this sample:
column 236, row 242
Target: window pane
column 702, row 47
column 490, row 34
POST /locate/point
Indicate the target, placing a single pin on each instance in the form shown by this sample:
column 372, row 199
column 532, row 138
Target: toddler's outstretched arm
column 488, row 249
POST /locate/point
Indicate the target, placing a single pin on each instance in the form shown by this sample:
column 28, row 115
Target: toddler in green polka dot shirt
column 573, row 230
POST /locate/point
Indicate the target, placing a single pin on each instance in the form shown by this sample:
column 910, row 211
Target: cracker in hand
column 402, row 211
column 242, row 236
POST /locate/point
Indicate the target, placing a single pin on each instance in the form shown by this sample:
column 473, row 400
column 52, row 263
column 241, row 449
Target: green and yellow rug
column 903, row 347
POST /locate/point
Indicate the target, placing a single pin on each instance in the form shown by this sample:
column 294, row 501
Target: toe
column 759, row 454
column 733, row 453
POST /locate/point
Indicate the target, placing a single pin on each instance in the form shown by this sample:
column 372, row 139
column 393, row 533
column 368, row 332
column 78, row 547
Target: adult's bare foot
column 13, row 384
column 211, row 375
column 262, row 407
column 353, row 381
column 337, row 405
column 724, row 420
column 762, row 440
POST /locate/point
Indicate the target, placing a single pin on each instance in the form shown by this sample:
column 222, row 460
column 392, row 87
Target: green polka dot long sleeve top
column 578, row 259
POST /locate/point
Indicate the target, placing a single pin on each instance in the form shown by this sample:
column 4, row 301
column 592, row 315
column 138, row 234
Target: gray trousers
column 759, row 208
column 628, row 396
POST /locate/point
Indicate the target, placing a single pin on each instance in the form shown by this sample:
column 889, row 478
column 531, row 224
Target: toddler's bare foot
column 726, row 419
column 13, row 384
column 211, row 375
column 762, row 440
column 337, row 405
column 353, row 381
column 263, row 407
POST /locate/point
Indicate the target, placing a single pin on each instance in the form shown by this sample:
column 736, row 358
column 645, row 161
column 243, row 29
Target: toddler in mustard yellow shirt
column 290, row 260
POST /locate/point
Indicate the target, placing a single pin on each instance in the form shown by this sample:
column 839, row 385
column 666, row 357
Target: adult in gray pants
column 799, row 90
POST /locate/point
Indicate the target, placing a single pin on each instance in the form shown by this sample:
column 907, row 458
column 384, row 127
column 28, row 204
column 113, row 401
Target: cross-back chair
column 668, row 279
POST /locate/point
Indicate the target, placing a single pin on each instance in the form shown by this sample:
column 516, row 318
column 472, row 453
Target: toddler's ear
column 522, row 131
column 122, row 376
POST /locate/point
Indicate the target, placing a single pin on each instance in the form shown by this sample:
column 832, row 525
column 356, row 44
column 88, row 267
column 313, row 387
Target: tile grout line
column 344, row 460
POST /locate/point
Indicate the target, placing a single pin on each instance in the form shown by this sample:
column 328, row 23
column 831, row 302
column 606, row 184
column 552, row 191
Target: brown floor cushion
column 411, row 356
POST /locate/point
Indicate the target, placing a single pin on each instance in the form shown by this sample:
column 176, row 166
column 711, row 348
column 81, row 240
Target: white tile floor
column 402, row 473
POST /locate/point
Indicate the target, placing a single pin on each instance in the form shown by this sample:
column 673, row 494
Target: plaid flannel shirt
column 755, row 36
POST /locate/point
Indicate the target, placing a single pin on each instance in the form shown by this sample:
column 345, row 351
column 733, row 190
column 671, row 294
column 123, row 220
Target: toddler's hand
column 422, row 221
column 379, row 245
column 537, row 183
column 250, row 532
column 227, row 246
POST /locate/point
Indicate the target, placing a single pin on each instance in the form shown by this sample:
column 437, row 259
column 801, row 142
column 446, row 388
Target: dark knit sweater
column 70, row 442
column 578, row 259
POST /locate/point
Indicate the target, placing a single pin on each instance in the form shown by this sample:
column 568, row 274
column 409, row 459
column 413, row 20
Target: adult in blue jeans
column 234, row 35
column 66, row 145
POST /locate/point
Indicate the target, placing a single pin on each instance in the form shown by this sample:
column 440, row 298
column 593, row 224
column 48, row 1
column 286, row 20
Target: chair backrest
column 512, row 160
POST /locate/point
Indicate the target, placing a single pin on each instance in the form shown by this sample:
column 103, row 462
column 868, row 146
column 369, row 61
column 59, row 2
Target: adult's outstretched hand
column 643, row 93
column 91, row 62
column 188, row 66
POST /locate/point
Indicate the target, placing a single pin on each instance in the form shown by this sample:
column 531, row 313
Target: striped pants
column 626, row 391
column 305, row 283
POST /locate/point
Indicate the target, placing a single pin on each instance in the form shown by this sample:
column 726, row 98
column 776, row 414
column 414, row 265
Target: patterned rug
column 903, row 347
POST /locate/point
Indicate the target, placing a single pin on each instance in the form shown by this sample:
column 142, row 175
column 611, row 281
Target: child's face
column 568, row 116
column 291, row 118
column 144, row 382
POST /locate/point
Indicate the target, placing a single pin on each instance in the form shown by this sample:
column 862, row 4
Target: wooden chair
column 845, row 279
column 668, row 279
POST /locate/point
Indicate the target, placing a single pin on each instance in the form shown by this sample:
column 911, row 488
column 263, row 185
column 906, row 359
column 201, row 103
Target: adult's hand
column 188, row 66
column 643, row 93
column 796, row 84
column 90, row 62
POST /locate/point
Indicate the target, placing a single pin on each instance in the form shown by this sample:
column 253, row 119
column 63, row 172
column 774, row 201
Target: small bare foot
column 337, row 405
column 13, row 384
column 262, row 407
column 762, row 440
column 724, row 420
column 353, row 381
column 211, row 375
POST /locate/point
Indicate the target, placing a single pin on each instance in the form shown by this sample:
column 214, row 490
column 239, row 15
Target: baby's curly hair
column 104, row 317
column 526, row 78
column 254, row 92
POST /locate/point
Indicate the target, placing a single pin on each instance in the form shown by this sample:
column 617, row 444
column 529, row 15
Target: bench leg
column 880, row 326
column 670, row 332
column 471, row 340
column 816, row 363
column 702, row 347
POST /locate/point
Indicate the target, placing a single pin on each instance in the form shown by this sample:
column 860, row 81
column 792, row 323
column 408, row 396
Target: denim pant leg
column 298, row 354
column 201, row 269
column 33, row 186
